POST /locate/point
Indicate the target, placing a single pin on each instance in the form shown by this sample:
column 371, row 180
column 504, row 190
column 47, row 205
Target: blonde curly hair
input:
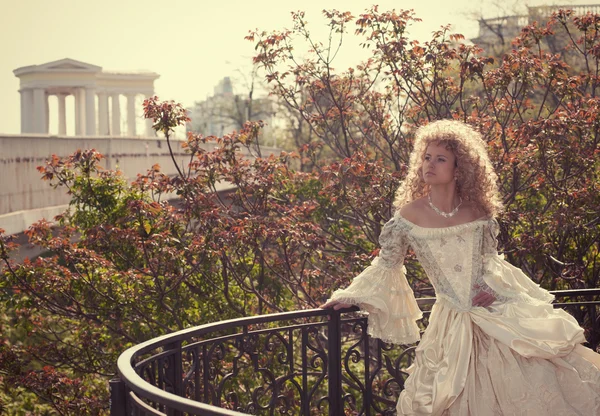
column 476, row 178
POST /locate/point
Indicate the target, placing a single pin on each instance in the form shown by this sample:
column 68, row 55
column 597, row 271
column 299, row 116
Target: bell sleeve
column 383, row 291
column 505, row 279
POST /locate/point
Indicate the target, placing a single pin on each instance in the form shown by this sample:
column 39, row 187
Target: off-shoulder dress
column 519, row 356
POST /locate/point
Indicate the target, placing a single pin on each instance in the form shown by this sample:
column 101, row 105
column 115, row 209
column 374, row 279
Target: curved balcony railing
column 311, row 362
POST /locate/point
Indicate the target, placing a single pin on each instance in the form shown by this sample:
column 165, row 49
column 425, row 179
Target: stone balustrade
column 25, row 198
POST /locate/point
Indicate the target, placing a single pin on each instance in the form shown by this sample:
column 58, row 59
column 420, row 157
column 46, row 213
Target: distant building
column 224, row 111
column 96, row 98
column 501, row 31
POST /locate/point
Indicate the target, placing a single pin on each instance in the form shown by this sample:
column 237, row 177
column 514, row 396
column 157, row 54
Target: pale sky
column 192, row 44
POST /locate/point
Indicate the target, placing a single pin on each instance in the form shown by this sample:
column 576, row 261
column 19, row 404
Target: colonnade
column 35, row 111
column 97, row 98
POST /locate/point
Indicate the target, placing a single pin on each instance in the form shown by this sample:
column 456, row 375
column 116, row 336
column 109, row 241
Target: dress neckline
column 450, row 227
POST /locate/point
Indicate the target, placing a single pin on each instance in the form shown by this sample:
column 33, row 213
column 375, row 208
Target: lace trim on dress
column 459, row 260
column 505, row 279
column 486, row 240
column 436, row 232
column 451, row 257
column 383, row 291
column 511, row 282
column 390, row 301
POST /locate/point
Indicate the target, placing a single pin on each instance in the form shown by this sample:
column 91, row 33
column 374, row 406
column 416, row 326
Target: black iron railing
column 311, row 362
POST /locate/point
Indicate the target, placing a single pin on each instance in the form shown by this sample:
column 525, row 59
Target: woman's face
column 439, row 165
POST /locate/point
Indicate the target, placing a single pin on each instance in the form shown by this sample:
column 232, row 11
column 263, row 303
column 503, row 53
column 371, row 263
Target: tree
column 281, row 238
column 536, row 114
column 141, row 267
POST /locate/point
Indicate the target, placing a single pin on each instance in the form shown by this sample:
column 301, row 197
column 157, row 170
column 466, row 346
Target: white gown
column 519, row 356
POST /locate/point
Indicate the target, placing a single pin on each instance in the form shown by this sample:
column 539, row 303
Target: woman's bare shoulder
column 418, row 212
column 413, row 210
column 472, row 211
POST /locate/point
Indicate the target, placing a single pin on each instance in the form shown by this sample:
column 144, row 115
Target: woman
column 494, row 344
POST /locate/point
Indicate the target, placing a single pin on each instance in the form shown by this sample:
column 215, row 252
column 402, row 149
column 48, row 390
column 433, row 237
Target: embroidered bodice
column 452, row 257
column 460, row 261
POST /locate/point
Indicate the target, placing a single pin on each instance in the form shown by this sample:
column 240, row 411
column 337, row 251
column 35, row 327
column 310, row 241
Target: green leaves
column 251, row 235
column 535, row 103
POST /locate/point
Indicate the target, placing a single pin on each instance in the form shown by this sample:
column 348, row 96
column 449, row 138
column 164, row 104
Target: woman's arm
column 504, row 279
column 383, row 291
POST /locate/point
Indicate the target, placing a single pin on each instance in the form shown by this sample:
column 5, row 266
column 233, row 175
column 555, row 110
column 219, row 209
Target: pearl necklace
column 442, row 213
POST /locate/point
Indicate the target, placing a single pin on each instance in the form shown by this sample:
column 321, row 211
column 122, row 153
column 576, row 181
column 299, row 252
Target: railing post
column 368, row 399
column 593, row 319
column 334, row 367
column 174, row 374
column 118, row 397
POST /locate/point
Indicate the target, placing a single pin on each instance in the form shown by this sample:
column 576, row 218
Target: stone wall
column 25, row 198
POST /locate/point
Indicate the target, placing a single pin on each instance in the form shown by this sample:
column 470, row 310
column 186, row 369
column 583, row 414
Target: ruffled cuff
column 386, row 295
column 510, row 282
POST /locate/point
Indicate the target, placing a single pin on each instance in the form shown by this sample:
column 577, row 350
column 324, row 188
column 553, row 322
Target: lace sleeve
column 383, row 291
column 489, row 248
column 507, row 281
column 490, row 237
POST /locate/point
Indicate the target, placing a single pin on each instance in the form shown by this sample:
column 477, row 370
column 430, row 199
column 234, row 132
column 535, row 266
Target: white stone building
column 97, row 108
column 96, row 95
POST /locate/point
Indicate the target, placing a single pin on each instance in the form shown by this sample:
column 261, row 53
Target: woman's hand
column 483, row 299
column 335, row 305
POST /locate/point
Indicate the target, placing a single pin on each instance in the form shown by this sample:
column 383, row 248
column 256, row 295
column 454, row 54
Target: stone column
column 62, row 114
column 90, row 111
column 149, row 130
column 116, row 115
column 39, row 110
column 131, row 115
column 26, row 110
column 148, row 121
column 47, row 111
column 103, row 128
column 79, row 119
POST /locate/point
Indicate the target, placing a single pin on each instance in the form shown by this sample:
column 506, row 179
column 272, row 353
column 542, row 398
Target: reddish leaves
column 251, row 234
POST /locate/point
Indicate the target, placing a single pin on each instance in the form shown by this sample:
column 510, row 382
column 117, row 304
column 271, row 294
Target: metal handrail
column 130, row 383
column 140, row 387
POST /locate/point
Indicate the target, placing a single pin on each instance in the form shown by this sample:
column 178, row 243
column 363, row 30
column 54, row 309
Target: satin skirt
column 507, row 359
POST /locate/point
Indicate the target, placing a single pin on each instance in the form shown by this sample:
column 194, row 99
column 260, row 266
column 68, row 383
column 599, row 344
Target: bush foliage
column 125, row 265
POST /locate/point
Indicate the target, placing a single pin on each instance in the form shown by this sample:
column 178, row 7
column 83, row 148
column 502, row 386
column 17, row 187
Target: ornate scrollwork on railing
column 373, row 371
column 312, row 362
